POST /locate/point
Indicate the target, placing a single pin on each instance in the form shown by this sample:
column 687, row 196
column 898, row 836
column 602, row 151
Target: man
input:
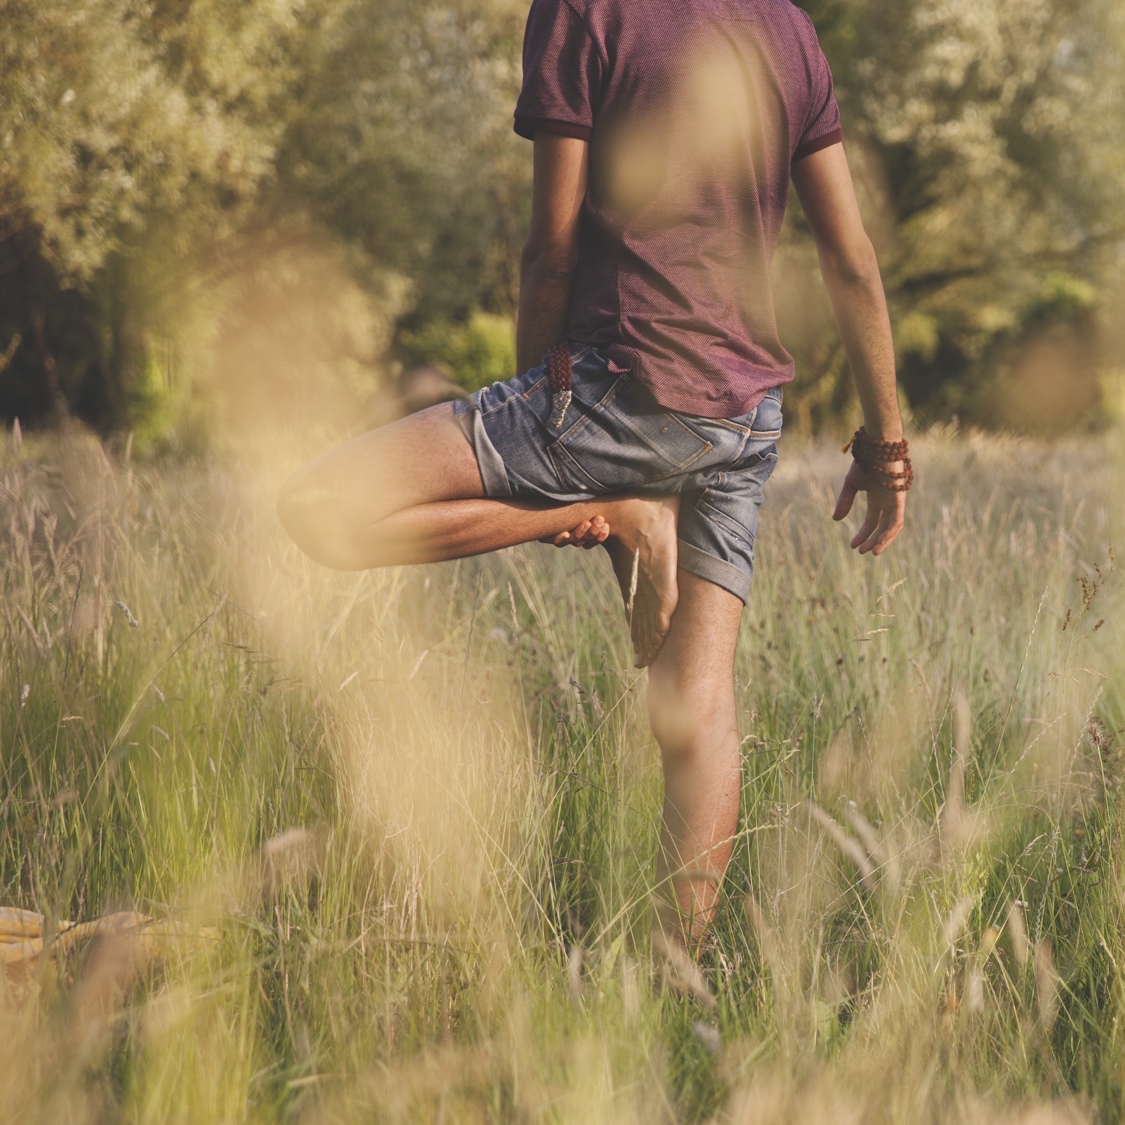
column 666, row 134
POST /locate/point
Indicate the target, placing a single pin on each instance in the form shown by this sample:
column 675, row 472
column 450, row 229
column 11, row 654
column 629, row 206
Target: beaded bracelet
column 873, row 456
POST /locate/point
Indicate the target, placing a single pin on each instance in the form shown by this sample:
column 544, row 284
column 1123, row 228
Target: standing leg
column 692, row 709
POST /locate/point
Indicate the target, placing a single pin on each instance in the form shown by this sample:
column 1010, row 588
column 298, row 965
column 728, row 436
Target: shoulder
column 794, row 30
column 800, row 19
column 599, row 21
column 783, row 14
column 580, row 10
column 584, row 14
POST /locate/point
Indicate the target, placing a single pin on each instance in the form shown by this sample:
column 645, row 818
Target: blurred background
column 284, row 844
column 214, row 214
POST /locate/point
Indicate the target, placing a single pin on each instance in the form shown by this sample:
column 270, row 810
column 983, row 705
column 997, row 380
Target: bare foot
column 642, row 548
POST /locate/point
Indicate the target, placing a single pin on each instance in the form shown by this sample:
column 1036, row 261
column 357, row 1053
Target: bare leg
column 692, row 708
column 411, row 492
column 331, row 505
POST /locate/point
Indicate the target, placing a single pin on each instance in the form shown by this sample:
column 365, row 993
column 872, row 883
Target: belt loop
column 558, row 364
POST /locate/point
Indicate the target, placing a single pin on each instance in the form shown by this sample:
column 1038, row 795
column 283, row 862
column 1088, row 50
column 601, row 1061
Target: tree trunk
column 37, row 315
column 119, row 367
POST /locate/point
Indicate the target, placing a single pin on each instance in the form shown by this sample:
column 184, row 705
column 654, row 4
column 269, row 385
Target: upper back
column 695, row 111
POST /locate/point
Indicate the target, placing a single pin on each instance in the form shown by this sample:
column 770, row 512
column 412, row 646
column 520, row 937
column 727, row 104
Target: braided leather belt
column 558, row 364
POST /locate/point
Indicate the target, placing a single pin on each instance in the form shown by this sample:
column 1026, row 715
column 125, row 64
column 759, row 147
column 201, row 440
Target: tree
column 130, row 131
column 402, row 143
column 154, row 154
column 991, row 136
column 151, row 148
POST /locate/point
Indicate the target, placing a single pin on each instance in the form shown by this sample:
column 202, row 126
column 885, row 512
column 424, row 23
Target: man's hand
column 886, row 510
column 588, row 534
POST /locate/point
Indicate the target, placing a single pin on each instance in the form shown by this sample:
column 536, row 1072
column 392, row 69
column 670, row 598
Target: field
column 397, row 830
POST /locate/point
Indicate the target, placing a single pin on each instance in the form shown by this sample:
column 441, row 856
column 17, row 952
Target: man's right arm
column 550, row 254
column 855, row 288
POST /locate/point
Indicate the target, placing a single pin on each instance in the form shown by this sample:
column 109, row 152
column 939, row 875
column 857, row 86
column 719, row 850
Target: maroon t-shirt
column 695, row 111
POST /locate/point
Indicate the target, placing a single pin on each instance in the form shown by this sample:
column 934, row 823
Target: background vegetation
column 180, row 180
column 395, row 832
column 406, row 821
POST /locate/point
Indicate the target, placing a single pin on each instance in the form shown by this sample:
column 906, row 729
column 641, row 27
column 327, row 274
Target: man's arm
column 550, row 254
column 547, row 265
column 855, row 288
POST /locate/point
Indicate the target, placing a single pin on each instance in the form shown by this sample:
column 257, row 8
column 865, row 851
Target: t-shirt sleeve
column 561, row 73
column 822, row 127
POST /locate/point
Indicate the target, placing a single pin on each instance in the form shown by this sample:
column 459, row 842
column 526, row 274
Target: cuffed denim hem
column 493, row 475
column 711, row 569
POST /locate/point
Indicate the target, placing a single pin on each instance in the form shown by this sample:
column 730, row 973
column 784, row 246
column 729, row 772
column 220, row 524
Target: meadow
column 397, row 830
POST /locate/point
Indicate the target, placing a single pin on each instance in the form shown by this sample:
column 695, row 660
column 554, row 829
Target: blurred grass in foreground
column 420, row 807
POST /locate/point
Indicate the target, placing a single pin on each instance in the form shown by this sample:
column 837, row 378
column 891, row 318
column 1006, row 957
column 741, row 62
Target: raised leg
column 692, row 709
column 332, row 507
column 411, row 492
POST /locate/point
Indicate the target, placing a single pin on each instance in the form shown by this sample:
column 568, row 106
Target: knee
column 313, row 522
column 689, row 715
column 299, row 514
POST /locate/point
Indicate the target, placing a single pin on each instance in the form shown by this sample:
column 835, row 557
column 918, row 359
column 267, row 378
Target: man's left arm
column 550, row 254
column 855, row 288
column 547, row 267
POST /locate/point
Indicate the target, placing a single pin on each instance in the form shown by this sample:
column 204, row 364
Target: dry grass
column 419, row 809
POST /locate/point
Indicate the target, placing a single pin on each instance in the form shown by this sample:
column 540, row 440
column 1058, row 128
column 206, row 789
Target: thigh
column 719, row 514
column 420, row 459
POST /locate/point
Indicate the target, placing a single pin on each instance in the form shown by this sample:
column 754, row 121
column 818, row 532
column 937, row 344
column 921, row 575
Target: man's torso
column 694, row 113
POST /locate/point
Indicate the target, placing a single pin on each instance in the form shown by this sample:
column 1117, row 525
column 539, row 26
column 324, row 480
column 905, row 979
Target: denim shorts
column 616, row 438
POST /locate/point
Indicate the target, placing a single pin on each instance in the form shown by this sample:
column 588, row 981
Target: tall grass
column 405, row 822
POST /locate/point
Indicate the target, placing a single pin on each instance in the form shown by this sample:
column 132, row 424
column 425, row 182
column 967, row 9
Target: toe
column 639, row 634
column 646, row 641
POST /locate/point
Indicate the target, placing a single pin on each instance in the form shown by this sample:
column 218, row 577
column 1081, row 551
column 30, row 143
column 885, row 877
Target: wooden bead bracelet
column 873, row 456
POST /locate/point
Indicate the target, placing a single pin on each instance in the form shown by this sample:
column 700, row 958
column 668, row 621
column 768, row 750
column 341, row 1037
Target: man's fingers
column 891, row 522
column 883, row 520
column 869, row 525
column 589, row 533
column 876, row 535
column 887, row 538
column 598, row 535
column 896, row 521
column 845, row 500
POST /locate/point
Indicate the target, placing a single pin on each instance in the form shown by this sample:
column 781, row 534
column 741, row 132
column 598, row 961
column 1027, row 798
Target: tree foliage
column 156, row 156
column 117, row 113
column 402, row 143
column 127, row 127
column 992, row 138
